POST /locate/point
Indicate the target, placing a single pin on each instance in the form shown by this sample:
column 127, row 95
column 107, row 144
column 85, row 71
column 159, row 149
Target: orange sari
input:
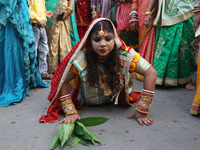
column 196, row 103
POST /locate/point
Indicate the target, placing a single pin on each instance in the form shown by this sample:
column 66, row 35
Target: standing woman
column 101, row 64
column 123, row 24
column 19, row 70
column 174, row 58
column 101, row 8
column 147, row 35
column 83, row 15
column 58, row 31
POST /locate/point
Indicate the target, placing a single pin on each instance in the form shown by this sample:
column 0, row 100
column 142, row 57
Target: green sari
column 174, row 58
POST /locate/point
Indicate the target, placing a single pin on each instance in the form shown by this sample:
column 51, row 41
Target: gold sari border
column 175, row 20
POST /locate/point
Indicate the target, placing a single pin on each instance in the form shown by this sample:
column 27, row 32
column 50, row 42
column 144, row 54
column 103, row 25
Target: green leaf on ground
column 78, row 130
column 91, row 134
column 75, row 141
column 65, row 132
column 54, row 142
column 84, row 142
column 92, row 121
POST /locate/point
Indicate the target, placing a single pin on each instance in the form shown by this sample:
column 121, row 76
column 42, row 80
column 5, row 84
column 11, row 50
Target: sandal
column 47, row 76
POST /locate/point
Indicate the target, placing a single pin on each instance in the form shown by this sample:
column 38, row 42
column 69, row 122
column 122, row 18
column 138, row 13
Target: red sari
column 83, row 16
column 146, row 35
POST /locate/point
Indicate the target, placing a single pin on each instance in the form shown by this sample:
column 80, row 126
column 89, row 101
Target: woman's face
column 102, row 45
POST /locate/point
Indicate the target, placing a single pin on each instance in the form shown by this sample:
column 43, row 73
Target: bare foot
column 189, row 86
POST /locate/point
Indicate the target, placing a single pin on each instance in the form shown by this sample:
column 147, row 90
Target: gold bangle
column 69, row 8
column 148, row 13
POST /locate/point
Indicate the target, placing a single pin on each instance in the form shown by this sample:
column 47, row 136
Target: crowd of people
column 91, row 50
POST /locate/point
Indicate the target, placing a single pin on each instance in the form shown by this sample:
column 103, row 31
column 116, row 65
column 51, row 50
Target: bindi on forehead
column 101, row 32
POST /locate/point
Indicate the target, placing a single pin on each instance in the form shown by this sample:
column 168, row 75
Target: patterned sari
column 174, row 58
column 19, row 70
column 58, row 33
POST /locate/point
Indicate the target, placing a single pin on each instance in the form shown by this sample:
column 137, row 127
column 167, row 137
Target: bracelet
column 148, row 13
column 65, row 95
column 133, row 16
column 148, row 91
column 133, row 12
column 69, row 8
column 145, row 102
column 133, row 20
column 68, row 105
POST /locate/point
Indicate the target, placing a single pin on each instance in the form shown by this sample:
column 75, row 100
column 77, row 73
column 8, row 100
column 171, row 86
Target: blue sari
column 18, row 65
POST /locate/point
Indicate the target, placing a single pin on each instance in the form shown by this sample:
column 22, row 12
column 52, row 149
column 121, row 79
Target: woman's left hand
column 142, row 118
column 148, row 21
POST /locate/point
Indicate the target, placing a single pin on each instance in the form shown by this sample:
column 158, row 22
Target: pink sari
column 146, row 35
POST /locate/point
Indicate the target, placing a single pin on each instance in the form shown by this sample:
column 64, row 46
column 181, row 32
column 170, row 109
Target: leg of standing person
column 36, row 32
column 43, row 50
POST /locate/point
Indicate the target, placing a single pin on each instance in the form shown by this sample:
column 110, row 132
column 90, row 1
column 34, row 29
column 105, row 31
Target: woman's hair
column 111, row 65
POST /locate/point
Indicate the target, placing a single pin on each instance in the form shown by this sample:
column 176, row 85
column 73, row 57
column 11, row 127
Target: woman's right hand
column 134, row 26
column 70, row 118
column 148, row 21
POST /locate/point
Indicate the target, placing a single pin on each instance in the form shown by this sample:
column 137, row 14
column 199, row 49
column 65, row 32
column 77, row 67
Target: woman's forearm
column 71, row 3
column 150, row 79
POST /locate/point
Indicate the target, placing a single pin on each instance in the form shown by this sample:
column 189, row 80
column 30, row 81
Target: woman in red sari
column 146, row 35
column 101, row 64
column 83, row 16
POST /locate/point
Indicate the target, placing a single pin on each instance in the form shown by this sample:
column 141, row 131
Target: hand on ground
column 70, row 118
column 142, row 118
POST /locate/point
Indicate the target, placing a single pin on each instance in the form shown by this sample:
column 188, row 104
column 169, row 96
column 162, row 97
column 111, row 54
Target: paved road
column 174, row 128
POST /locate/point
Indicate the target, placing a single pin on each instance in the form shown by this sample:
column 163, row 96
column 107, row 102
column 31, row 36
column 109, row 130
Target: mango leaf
column 88, row 132
column 86, row 136
column 78, row 130
column 65, row 132
column 60, row 132
column 93, row 136
column 54, row 142
column 84, row 142
column 75, row 141
column 81, row 133
column 92, row 121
